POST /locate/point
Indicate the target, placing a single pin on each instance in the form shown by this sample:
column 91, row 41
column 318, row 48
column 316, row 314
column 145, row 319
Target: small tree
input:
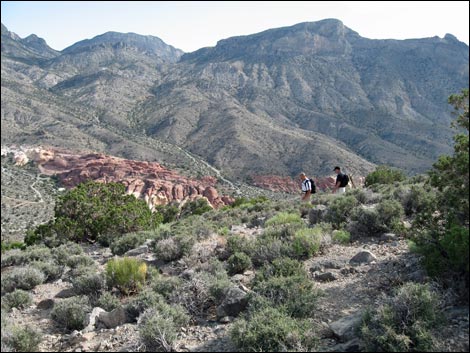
column 442, row 236
column 91, row 209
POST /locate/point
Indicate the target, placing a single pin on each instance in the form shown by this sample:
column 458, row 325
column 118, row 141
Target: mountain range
column 300, row 98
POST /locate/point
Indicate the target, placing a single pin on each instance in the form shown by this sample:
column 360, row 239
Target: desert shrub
column 390, row 212
column 51, row 270
column 127, row 274
column 403, row 323
column 384, row 175
column 294, row 294
column 169, row 212
column 168, row 249
column 201, row 291
column 238, row 263
column 365, row 221
column 284, row 218
column 21, row 339
column 127, row 242
column 75, row 261
column 165, row 285
column 22, row 278
column 306, row 242
column 270, row 330
column 90, row 284
column 17, row 299
column 237, row 244
column 160, row 326
column 144, row 300
column 13, row 245
column 282, row 267
column 419, row 199
column 93, row 208
column 108, row 302
column 64, row 251
column 340, row 209
column 196, row 207
column 341, row 236
column 266, row 249
column 71, row 313
column 14, row 257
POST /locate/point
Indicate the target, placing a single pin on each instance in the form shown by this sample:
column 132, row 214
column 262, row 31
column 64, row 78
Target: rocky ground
column 348, row 289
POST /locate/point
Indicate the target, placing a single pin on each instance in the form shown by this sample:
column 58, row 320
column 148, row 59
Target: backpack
column 344, row 181
column 314, row 188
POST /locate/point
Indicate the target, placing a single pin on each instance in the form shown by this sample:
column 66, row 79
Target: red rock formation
column 147, row 180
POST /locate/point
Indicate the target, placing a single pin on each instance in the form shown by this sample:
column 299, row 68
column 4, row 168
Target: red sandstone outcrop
column 147, row 180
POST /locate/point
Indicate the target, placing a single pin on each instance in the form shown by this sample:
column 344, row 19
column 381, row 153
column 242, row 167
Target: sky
column 190, row 25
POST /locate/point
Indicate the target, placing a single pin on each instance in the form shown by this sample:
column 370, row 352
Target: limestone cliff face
column 305, row 97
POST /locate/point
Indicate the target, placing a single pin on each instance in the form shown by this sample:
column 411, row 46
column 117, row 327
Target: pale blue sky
column 190, row 25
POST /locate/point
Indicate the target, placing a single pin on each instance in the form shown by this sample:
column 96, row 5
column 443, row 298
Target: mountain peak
column 145, row 44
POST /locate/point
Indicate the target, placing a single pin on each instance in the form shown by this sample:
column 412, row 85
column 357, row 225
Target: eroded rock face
column 147, row 180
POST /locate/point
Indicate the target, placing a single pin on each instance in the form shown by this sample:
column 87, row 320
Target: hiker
column 306, row 187
column 342, row 180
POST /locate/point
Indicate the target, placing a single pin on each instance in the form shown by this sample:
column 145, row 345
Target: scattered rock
column 388, row 237
column 234, row 302
column 66, row 293
column 326, row 277
column 138, row 251
column 112, row 319
column 363, row 256
column 92, row 319
column 345, row 327
column 46, row 304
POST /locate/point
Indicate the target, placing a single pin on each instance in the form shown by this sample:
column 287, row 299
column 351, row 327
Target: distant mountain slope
column 305, row 97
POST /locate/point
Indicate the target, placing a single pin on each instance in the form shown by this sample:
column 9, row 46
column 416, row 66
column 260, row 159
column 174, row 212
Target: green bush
column 403, row 323
column 22, row 278
column 237, row 244
column 341, row 236
column 169, row 212
column 390, row 213
column 165, row 285
column 266, row 249
column 284, row 218
column 71, row 313
column 282, row 267
column 238, row 263
column 108, row 302
column 127, row 242
column 196, row 207
column 12, row 245
column 14, row 257
column 306, row 242
column 294, row 294
column 90, row 284
column 91, row 209
column 51, row 270
column 419, row 199
column 365, row 221
column 17, row 299
column 75, row 261
column 143, row 301
column 340, row 209
column 22, row 339
column 127, row 274
column 63, row 252
column 270, row 330
column 384, row 175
